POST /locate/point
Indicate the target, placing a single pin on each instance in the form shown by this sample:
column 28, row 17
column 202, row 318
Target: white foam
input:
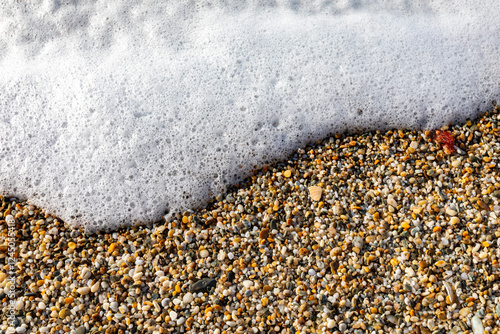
column 112, row 112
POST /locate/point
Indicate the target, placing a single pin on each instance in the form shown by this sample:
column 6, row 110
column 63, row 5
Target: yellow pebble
column 62, row 313
column 486, row 244
column 394, row 262
column 287, row 173
column 185, row 220
column 405, row 225
column 111, row 248
column 71, row 245
column 440, row 263
column 265, row 301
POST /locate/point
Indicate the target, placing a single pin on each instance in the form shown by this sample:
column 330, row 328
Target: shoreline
column 404, row 238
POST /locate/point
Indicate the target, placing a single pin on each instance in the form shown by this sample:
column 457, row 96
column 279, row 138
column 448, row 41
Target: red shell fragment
column 446, row 140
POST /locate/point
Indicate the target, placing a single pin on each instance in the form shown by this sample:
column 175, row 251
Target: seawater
column 116, row 113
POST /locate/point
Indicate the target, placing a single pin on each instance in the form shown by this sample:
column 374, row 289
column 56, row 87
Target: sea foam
column 113, row 113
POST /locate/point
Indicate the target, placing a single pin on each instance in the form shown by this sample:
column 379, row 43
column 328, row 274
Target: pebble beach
column 381, row 232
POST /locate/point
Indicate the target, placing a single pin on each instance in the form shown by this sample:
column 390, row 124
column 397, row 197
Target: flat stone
column 247, row 283
column 477, row 325
column 81, row 330
column 451, row 212
column 188, row 298
column 83, row 291
column 203, row 285
column 204, row 253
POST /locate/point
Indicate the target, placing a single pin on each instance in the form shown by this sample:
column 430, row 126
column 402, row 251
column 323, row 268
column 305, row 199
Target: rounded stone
column 188, row 298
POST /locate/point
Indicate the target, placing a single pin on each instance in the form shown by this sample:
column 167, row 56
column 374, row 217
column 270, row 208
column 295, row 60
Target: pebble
column 85, row 273
column 264, row 233
column 464, row 312
column 95, row 287
column 83, row 291
column 315, row 193
column 451, row 212
column 247, row 283
column 62, row 313
column 188, row 298
column 81, row 330
column 450, row 291
column 402, row 237
column 19, row 305
column 477, row 325
column 203, row 285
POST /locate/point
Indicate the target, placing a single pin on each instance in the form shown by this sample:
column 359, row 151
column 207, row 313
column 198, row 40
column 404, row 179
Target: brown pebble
column 264, row 233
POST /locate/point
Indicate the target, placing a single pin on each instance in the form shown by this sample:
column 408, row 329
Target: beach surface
column 113, row 114
column 382, row 232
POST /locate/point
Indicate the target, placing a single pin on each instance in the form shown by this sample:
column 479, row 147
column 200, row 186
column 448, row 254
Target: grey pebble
column 81, row 330
column 203, row 285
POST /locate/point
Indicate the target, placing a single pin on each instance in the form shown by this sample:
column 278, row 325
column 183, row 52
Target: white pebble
column 19, row 305
column 312, row 272
column 451, row 212
column 137, row 276
column 173, row 315
column 176, row 301
column 188, row 298
column 230, row 256
column 85, row 273
column 41, row 305
column 247, row 283
column 95, row 287
column 83, row 291
column 180, row 321
column 204, row 253
column 477, row 325
column 330, row 323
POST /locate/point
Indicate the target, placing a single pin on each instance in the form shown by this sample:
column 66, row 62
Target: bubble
column 131, row 126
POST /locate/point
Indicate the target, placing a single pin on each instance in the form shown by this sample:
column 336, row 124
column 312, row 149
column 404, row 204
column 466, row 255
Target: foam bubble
column 114, row 113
